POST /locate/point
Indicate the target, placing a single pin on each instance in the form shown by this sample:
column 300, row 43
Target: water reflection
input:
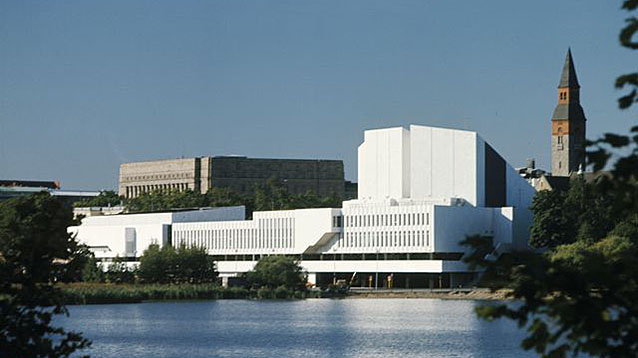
column 309, row 328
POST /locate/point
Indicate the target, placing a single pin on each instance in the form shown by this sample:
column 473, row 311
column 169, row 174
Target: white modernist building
column 422, row 191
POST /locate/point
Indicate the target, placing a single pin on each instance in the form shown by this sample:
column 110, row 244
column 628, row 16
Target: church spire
column 568, row 78
column 568, row 124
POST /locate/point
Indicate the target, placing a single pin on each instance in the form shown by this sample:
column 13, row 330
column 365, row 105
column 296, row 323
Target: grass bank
column 99, row 293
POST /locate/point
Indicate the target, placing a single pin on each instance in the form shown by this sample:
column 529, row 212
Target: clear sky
column 87, row 85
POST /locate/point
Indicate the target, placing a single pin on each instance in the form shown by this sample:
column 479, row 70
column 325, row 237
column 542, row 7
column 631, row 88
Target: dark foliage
column 272, row 272
column 119, row 272
column 183, row 265
column 33, row 241
column 273, row 195
column 104, row 199
column 627, row 39
column 581, row 294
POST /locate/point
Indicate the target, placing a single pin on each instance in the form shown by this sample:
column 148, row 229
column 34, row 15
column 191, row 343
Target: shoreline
column 86, row 293
column 444, row 294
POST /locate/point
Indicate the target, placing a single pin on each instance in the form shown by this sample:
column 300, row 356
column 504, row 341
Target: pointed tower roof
column 568, row 77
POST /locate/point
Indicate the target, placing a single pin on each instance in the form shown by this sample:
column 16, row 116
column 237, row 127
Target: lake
column 305, row 328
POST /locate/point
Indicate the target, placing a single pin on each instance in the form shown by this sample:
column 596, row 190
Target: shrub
column 274, row 271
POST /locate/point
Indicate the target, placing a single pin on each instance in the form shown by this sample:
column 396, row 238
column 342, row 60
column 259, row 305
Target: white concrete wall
column 231, row 268
column 149, row 229
column 453, row 224
column 311, row 225
column 384, row 164
column 270, row 232
column 443, row 164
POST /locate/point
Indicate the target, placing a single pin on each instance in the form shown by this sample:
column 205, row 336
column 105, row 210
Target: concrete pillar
column 312, row 278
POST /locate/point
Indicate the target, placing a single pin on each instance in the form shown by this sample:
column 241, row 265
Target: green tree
column 33, row 236
column 551, row 225
column 275, row 271
column 157, row 265
column 582, row 213
column 179, row 199
column 92, row 271
column 71, row 270
column 274, row 195
column 184, row 265
column 194, row 265
column 626, row 38
column 581, row 296
column 119, row 272
column 105, row 198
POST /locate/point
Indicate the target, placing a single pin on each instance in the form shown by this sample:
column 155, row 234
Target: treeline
column 273, row 195
column 273, row 276
column 168, row 265
column 588, row 212
column 169, row 274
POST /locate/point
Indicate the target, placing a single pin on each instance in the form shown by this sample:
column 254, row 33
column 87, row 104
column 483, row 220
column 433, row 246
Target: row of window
column 159, row 176
column 276, row 223
column 412, row 238
column 135, row 190
column 274, row 233
column 446, row 256
column 387, row 219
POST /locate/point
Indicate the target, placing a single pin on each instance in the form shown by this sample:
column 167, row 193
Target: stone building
column 242, row 174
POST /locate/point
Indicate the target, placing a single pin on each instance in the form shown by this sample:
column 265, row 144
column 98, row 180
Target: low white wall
column 453, row 224
column 149, row 228
column 226, row 268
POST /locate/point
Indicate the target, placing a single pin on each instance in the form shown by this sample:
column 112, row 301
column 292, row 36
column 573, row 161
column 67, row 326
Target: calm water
column 309, row 328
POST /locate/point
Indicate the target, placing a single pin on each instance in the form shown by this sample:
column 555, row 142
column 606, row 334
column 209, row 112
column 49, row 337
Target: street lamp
column 334, row 266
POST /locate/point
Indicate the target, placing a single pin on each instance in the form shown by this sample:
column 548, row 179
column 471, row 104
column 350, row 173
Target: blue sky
column 87, row 85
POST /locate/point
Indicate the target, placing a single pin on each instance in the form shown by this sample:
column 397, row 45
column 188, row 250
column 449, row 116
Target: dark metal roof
column 568, row 77
column 568, row 111
column 31, row 183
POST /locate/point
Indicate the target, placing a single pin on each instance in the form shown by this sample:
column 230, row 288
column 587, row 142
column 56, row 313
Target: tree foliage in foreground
column 627, row 39
column 585, row 212
column 33, row 243
column 581, row 294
